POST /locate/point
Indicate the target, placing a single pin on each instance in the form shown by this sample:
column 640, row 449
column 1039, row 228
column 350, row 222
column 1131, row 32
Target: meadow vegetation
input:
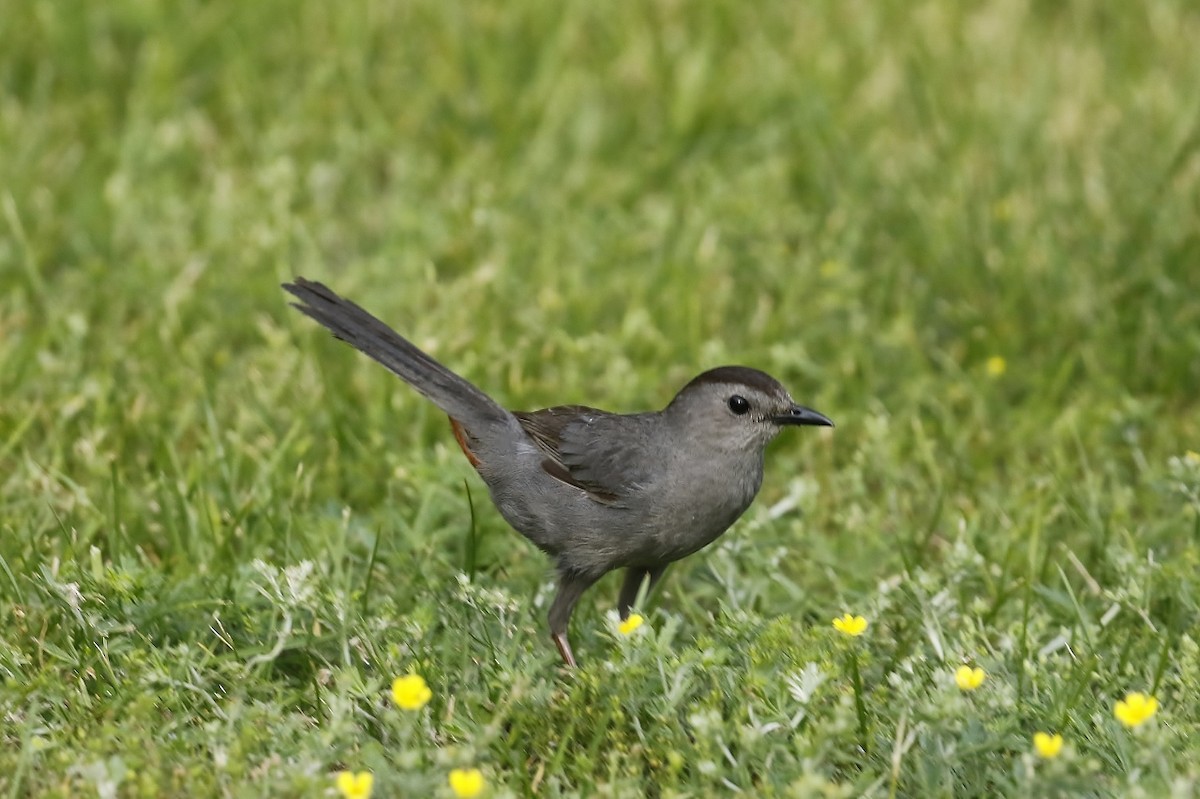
column 967, row 232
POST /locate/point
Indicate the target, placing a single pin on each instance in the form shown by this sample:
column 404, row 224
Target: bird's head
column 738, row 408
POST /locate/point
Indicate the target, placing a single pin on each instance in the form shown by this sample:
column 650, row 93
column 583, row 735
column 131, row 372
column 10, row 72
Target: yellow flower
column 632, row 623
column 1192, row 456
column 467, row 782
column 1135, row 709
column 968, row 679
column 995, row 366
column 830, row 268
column 1047, row 745
column 355, row 786
column 850, row 625
column 411, row 692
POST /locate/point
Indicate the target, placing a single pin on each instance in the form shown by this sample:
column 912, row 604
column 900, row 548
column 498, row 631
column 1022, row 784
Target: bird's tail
column 453, row 394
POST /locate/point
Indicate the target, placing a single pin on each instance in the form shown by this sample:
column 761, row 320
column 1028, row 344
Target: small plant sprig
column 854, row 626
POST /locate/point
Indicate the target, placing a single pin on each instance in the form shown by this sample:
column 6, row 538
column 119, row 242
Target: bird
column 595, row 491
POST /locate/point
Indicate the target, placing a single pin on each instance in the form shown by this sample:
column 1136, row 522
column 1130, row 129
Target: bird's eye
column 739, row 404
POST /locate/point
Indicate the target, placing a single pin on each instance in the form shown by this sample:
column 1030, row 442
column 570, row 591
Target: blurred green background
column 968, row 232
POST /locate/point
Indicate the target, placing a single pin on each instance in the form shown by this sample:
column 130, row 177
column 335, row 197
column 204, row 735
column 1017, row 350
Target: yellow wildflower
column 411, row 692
column 1047, row 745
column 467, row 782
column 968, row 679
column 355, row 786
column 1135, row 709
column 995, row 366
column 850, row 625
column 632, row 623
column 1192, row 456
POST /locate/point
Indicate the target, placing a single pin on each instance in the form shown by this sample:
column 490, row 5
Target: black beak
column 799, row 415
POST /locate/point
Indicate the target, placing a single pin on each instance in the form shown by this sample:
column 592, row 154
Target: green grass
column 222, row 534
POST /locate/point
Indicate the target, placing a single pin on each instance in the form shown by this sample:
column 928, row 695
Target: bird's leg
column 634, row 577
column 571, row 586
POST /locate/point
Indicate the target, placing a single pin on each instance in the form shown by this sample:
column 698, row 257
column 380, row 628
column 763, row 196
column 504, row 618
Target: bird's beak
column 799, row 415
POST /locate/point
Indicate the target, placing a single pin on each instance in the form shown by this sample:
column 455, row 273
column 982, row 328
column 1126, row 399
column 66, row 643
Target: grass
column 223, row 534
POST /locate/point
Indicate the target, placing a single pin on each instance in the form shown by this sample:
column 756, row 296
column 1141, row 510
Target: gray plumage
column 596, row 491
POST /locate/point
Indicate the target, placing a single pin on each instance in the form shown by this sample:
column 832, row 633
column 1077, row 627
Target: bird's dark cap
column 738, row 375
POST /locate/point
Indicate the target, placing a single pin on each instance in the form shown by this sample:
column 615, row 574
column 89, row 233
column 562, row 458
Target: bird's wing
column 605, row 454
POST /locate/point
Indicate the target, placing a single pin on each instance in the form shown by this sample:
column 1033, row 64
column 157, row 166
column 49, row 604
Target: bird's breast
column 697, row 505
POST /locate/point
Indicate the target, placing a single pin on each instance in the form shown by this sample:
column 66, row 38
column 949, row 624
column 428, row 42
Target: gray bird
column 596, row 491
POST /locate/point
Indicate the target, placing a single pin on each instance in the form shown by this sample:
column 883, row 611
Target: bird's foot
column 564, row 649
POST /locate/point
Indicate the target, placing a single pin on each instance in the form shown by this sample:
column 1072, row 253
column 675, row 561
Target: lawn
column 967, row 232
